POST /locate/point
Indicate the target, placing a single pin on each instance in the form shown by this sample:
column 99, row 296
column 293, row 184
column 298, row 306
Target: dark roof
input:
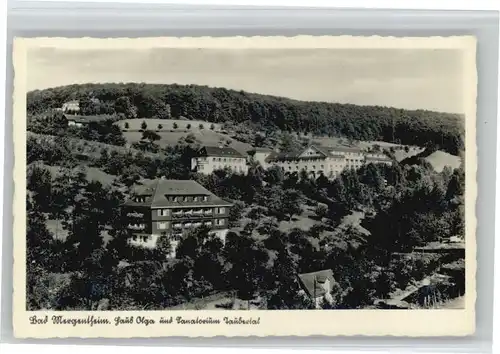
column 86, row 119
column 308, row 280
column 294, row 155
column 156, row 192
column 377, row 158
column 220, row 151
column 261, row 149
column 343, row 149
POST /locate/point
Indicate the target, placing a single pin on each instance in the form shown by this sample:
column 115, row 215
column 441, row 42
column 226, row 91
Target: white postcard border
column 414, row 323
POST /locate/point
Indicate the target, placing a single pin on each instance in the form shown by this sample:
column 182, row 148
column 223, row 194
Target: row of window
column 194, row 211
column 186, row 225
column 201, row 198
column 322, row 167
column 240, row 160
column 196, row 198
column 221, row 167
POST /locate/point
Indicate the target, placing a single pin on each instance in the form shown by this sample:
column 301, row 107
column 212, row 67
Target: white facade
column 208, row 164
column 72, row 106
column 72, row 123
column 327, row 161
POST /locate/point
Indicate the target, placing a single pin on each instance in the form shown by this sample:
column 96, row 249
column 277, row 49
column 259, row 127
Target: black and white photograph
column 241, row 179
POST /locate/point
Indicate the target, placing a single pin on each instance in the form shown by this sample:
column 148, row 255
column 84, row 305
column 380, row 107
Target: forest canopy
column 268, row 113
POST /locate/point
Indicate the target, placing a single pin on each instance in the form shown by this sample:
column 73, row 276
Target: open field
column 89, row 148
column 202, row 136
column 440, row 159
column 93, row 173
column 56, row 229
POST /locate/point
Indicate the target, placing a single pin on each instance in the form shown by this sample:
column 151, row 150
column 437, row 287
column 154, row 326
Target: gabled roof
column 219, row 152
column 309, row 281
column 157, row 191
column 261, row 149
column 294, row 155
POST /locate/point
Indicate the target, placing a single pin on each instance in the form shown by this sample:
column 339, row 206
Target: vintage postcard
column 260, row 186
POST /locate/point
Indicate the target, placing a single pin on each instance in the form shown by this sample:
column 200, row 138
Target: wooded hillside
column 220, row 105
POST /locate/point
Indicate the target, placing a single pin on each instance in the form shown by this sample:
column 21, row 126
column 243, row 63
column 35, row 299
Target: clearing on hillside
column 440, row 159
column 93, row 173
column 202, row 136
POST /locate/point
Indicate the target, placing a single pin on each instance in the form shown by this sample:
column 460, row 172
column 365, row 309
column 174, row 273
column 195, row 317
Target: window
column 175, row 199
column 185, row 199
column 205, row 198
column 195, row 199
column 220, row 222
column 221, row 210
column 163, row 212
column 163, row 225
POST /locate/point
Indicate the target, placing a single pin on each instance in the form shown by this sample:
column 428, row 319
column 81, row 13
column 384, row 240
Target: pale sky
column 413, row 79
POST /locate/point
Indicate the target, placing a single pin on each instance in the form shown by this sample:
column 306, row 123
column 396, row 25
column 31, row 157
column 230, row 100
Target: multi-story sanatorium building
column 169, row 208
column 316, row 160
column 211, row 158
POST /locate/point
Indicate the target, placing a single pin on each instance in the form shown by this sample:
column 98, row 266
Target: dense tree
column 417, row 127
column 246, row 260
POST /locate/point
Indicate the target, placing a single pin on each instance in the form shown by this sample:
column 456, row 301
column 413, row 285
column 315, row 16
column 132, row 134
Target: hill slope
column 220, row 105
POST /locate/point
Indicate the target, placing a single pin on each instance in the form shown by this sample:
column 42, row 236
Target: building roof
column 294, row 155
column 157, row 191
column 309, row 281
column 377, row 158
column 344, row 149
column 261, row 149
column 220, row 152
column 86, row 119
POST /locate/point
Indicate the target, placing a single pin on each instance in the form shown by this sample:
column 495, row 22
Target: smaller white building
column 71, row 107
column 318, row 286
column 212, row 158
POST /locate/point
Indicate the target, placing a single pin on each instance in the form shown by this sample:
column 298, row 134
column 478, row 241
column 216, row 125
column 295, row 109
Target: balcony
column 136, row 227
column 135, row 215
column 192, row 215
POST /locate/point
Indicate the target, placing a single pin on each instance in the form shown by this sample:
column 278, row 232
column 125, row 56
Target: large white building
column 317, row 160
column 211, row 158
